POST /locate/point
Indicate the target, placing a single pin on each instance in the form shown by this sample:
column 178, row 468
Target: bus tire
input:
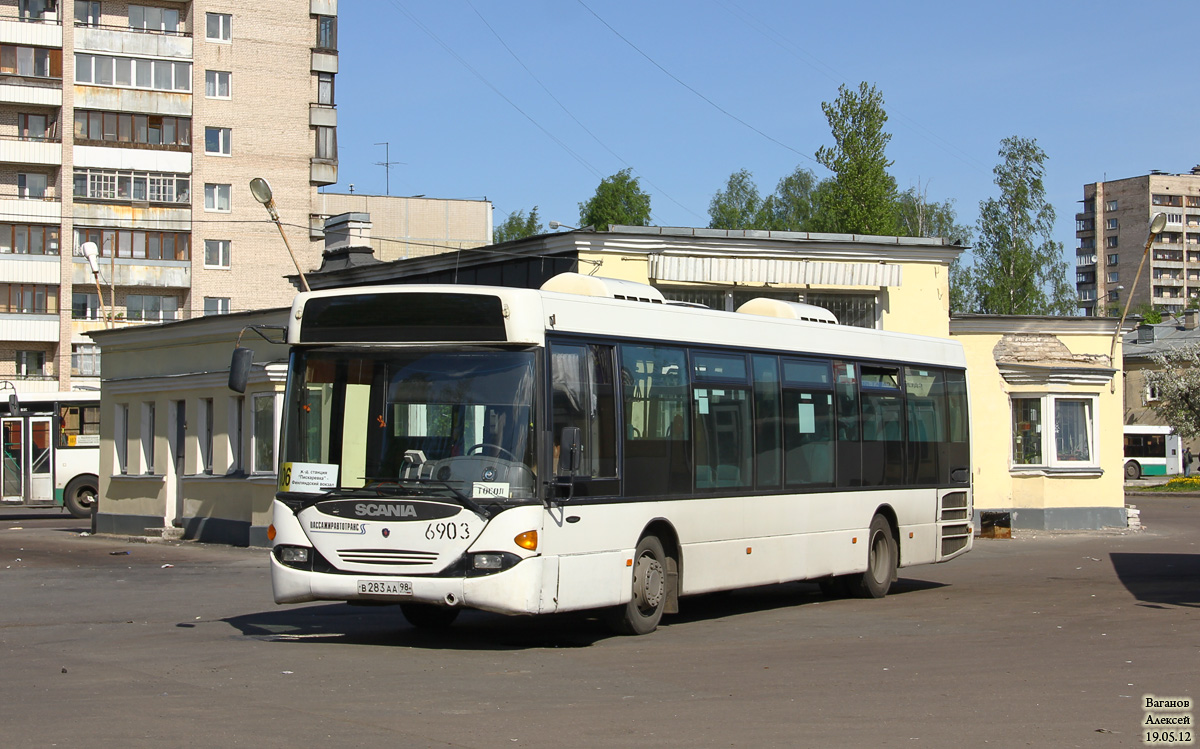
column 641, row 615
column 80, row 496
column 882, row 560
column 1133, row 470
column 428, row 615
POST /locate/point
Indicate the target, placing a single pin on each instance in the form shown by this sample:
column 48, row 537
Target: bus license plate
column 385, row 587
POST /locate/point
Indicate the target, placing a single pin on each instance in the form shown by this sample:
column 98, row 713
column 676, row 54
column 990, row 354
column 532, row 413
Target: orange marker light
column 527, row 540
column 854, row 540
column 271, row 532
column 628, row 562
column 749, row 549
column 910, row 534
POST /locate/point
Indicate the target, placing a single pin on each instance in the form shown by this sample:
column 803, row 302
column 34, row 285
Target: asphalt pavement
column 1048, row 639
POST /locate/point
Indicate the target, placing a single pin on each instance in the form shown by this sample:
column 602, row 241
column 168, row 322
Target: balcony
column 1168, row 281
column 322, row 7
column 45, row 151
column 17, row 327
column 30, row 269
column 324, row 61
column 31, row 33
column 324, row 171
column 133, row 216
column 157, row 274
column 31, row 210
column 134, row 43
column 322, row 115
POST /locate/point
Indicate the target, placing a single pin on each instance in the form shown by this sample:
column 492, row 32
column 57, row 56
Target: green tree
column 737, row 206
column 1150, row 314
column 861, row 195
column 1176, row 377
column 792, row 206
column 618, row 200
column 517, row 226
column 917, row 217
column 1019, row 269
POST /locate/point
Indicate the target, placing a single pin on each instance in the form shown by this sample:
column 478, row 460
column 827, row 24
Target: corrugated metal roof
column 752, row 270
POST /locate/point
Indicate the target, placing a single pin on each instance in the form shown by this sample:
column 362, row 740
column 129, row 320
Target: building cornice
column 1000, row 324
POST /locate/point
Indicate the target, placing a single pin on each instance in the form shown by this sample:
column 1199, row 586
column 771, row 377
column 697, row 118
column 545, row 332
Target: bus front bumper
column 516, row 590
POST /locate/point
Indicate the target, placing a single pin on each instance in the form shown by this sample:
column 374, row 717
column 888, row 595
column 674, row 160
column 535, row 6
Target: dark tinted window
column 403, row 318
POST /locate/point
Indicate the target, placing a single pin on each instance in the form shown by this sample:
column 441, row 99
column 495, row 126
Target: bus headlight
column 293, row 556
column 489, row 561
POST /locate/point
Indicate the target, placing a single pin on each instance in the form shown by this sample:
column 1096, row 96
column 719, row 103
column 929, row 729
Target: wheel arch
column 662, row 529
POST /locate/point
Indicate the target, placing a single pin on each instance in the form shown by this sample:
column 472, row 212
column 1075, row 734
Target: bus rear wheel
column 645, row 609
column 80, row 496
column 882, row 560
column 428, row 615
column 1132, row 470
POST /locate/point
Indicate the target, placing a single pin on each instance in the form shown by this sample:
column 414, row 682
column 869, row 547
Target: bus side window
column 657, row 440
column 957, row 446
column 882, row 427
column 849, row 448
column 925, row 398
column 582, row 395
column 808, row 423
column 767, row 429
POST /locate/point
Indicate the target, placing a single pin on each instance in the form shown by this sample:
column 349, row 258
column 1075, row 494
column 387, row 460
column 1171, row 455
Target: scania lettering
column 588, row 445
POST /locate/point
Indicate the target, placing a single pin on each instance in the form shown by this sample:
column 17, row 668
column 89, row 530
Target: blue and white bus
column 590, row 445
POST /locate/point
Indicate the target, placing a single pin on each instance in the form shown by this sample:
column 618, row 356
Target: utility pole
column 387, row 166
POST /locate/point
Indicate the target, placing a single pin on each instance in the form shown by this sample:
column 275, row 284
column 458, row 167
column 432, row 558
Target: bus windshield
column 449, row 423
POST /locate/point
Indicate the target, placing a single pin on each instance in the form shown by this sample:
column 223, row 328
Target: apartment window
column 85, row 360
column 1192, row 201
column 1054, row 431
column 216, row 305
column 85, row 306
column 216, row 84
column 87, row 12
column 1111, row 223
column 217, row 27
column 1110, row 205
column 143, row 129
column 151, row 308
column 1087, row 295
column 35, row 126
column 1110, row 242
column 155, row 187
column 327, row 32
column 217, row 140
column 125, row 72
column 34, row 62
column 31, row 364
column 206, row 435
column 148, row 437
column 326, row 142
column 1114, row 296
column 325, row 88
column 216, row 197
column 1087, row 244
column 148, row 245
column 237, row 407
column 28, row 239
column 1170, row 201
column 147, row 18
column 32, row 186
column 1174, row 218
column 1112, row 259
column 1113, row 277
column 28, row 299
column 216, row 253
column 263, row 434
column 34, row 10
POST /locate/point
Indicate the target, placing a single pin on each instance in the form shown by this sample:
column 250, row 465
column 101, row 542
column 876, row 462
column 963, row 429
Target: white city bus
column 1152, row 451
column 591, row 446
column 51, row 451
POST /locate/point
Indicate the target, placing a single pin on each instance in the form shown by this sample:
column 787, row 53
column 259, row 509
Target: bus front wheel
column 1133, row 470
column 80, row 496
column 641, row 615
column 882, row 560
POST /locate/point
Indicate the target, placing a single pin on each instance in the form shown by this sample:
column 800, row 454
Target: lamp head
column 1158, row 223
column 261, row 190
column 91, row 252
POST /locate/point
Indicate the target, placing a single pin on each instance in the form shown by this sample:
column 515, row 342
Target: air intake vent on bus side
column 609, row 288
column 787, row 310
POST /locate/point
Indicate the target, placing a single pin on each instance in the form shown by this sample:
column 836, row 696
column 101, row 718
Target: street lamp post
column 91, row 252
column 1156, row 226
column 261, row 190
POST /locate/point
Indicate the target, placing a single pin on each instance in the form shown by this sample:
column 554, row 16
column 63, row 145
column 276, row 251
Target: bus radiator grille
column 387, row 556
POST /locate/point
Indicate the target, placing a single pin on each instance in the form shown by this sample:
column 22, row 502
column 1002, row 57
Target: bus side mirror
column 239, row 368
column 570, row 456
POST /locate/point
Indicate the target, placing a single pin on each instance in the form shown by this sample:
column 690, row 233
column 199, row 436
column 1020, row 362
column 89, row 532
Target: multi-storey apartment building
column 1112, row 230
column 138, row 126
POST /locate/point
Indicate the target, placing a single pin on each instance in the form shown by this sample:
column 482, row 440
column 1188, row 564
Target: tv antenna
column 387, row 167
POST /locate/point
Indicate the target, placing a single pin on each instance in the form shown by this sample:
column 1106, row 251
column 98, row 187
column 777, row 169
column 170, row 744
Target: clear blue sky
column 1108, row 89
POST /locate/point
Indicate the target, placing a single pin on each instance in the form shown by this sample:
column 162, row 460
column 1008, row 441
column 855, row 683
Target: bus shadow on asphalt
column 385, row 626
column 1160, row 580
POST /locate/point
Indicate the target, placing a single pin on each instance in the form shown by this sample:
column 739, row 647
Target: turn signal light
column 271, row 532
column 527, row 540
